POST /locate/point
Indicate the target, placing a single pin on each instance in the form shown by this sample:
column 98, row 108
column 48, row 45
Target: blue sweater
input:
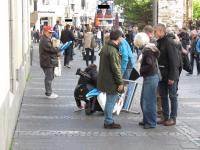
column 128, row 57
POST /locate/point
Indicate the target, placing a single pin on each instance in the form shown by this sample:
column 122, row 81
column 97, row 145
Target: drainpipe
column 11, row 50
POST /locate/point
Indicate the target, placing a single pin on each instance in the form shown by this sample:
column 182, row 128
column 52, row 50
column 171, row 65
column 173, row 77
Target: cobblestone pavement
column 45, row 124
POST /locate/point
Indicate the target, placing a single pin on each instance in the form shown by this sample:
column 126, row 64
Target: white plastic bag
column 102, row 100
column 57, row 70
column 118, row 106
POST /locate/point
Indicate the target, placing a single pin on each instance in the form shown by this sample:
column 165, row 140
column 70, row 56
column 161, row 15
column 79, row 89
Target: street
column 45, row 124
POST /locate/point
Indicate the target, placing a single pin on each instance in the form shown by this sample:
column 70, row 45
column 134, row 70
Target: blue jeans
column 166, row 90
column 110, row 103
column 148, row 99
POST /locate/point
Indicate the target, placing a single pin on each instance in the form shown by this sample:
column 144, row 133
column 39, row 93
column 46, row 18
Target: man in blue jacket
column 128, row 58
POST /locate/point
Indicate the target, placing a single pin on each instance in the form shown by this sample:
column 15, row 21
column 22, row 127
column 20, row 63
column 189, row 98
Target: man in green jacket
column 110, row 77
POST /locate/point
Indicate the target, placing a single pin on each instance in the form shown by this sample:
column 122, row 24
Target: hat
column 48, row 28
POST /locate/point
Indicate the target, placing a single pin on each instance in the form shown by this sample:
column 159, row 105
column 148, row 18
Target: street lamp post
column 155, row 12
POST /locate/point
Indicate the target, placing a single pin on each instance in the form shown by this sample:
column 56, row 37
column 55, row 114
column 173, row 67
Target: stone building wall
column 174, row 12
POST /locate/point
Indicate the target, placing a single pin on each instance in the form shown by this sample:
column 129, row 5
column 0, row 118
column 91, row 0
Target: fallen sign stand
column 130, row 87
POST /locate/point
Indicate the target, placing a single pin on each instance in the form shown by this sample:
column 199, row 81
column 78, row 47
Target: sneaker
column 112, row 126
column 188, row 74
column 52, row 96
column 68, row 66
column 141, row 123
column 146, row 126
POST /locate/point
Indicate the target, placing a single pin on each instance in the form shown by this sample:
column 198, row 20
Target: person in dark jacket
column 67, row 36
column 88, row 80
column 169, row 67
column 109, row 79
column 48, row 60
column 149, row 72
column 195, row 56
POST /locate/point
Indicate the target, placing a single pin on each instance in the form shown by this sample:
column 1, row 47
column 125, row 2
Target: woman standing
column 149, row 71
column 88, row 39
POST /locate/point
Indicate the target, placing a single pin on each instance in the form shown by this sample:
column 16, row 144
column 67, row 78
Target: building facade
column 174, row 13
column 14, row 64
column 49, row 11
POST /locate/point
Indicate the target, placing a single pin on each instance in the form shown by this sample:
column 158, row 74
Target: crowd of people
column 158, row 53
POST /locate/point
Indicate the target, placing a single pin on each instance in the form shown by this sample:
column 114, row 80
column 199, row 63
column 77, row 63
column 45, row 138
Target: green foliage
column 196, row 9
column 136, row 11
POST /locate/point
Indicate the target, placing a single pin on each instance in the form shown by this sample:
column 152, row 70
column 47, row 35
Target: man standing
column 169, row 68
column 110, row 77
column 48, row 60
column 66, row 36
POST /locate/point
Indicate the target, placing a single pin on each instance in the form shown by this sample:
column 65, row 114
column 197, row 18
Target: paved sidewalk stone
column 45, row 124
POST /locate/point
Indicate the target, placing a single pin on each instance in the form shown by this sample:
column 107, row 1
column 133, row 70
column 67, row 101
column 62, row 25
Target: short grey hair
column 141, row 39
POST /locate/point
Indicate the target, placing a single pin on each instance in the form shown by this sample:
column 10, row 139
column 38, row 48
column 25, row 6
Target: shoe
column 141, row 123
column 159, row 114
column 162, row 121
column 188, row 74
column 112, row 126
column 147, row 126
column 81, row 107
column 52, row 96
column 170, row 122
column 68, row 66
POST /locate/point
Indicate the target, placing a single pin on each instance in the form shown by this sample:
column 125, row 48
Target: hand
column 170, row 82
column 120, row 88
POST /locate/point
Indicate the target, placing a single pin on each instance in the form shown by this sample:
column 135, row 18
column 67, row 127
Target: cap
column 48, row 28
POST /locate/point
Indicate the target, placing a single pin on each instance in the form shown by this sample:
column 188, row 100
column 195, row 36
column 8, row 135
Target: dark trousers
column 49, row 76
column 67, row 56
column 171, row 90
column 195, row 57
column 88, row 56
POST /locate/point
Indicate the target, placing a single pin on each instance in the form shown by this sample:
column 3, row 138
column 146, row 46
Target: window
column 45, row 2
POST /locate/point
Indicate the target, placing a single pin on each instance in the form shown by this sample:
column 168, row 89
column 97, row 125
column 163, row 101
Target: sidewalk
column 45, row 124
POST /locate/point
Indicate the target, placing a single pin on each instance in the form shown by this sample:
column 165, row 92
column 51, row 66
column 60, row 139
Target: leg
column 163, row 90
column 49, row 76
column 173, row 99
column 110, row 103
column 92, row 55
column 65, row 59
column 149, row 101
column 87, row 50
column 192, row 63
column 159, row 104
column 198, row 64
column 68, row 56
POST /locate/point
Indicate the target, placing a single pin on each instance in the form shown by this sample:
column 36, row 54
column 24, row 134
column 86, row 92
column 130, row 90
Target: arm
column 198, row 46
column 149, row 65
column 124, row 60
column 48, row 47
column 115, row 67
column 173, row 60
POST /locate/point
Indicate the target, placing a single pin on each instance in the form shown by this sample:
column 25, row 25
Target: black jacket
column 66, row 36
column 169, row 60
column 92, row 72
column 48, row 54
column 150, row 53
